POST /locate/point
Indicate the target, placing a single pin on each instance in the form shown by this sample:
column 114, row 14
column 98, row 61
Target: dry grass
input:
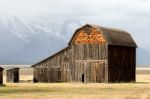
column 139, row 90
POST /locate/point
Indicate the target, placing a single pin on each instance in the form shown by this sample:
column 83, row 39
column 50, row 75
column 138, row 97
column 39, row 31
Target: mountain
column 29, row 40
column 26, row 41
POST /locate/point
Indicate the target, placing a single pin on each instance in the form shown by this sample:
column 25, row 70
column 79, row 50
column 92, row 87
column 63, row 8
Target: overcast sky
column 130, row 15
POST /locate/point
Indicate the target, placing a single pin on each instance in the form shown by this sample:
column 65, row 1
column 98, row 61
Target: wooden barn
column 94, row 54
column 1, row 75
column 13, row 75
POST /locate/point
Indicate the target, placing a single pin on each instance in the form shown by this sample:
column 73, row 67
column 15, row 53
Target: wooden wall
column 13, row 75
column 1, row 76
column 121, row 64
column 54, row 69
column 70, row 64
column 90, row 60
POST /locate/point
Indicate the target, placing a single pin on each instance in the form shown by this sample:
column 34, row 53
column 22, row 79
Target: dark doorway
column 59, row 76
column 16, row 77
column 82, row 77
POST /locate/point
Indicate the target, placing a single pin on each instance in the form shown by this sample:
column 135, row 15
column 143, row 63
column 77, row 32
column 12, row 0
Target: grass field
column 138, row 90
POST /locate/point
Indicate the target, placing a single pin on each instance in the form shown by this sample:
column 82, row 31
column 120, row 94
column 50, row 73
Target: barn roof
column 113, row 36
column 51, row 55
column 12, row 68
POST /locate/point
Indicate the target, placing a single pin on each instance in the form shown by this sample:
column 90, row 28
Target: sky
column 130, row 15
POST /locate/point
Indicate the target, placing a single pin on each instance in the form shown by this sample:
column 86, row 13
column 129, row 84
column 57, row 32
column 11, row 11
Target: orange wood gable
column 89, row 35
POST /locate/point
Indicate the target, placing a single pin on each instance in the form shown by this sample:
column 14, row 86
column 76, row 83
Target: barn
column 12, row 75
column 1, row 75
column 94, row 54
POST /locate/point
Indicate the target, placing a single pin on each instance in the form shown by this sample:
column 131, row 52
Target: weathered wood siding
column 69, row 65
column 89, row 60
column 54, row 69
column 1, row 76
column 121, row 64
column 13, row 75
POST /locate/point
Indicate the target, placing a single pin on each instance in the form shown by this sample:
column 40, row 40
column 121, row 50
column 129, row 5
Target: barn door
column 83, row 78
column 16, row 76
column 59, row 75
column 56, row 74
column 97, row 70
column 93, row 73
column 53, row 75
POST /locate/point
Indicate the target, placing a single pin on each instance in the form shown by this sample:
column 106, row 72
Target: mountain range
column 28, row 40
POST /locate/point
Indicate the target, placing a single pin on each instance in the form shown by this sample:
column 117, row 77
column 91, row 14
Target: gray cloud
column 130, row 15
column 38, row 7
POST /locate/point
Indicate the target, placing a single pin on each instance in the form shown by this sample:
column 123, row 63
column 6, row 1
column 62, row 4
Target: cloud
column 75, row 7
column 131, row 15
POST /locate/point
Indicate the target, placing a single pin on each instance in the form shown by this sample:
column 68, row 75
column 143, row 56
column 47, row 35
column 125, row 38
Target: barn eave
column 50, row 56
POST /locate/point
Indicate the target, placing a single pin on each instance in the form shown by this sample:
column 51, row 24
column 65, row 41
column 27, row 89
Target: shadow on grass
column 12, row 90
column 142, row 82
column 22, row 91
column 2, row 85
column 129, row 83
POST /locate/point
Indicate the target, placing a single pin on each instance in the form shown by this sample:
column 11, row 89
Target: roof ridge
column 110, row 29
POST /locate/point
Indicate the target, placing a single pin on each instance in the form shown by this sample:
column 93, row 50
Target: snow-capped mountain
column 28, row 40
